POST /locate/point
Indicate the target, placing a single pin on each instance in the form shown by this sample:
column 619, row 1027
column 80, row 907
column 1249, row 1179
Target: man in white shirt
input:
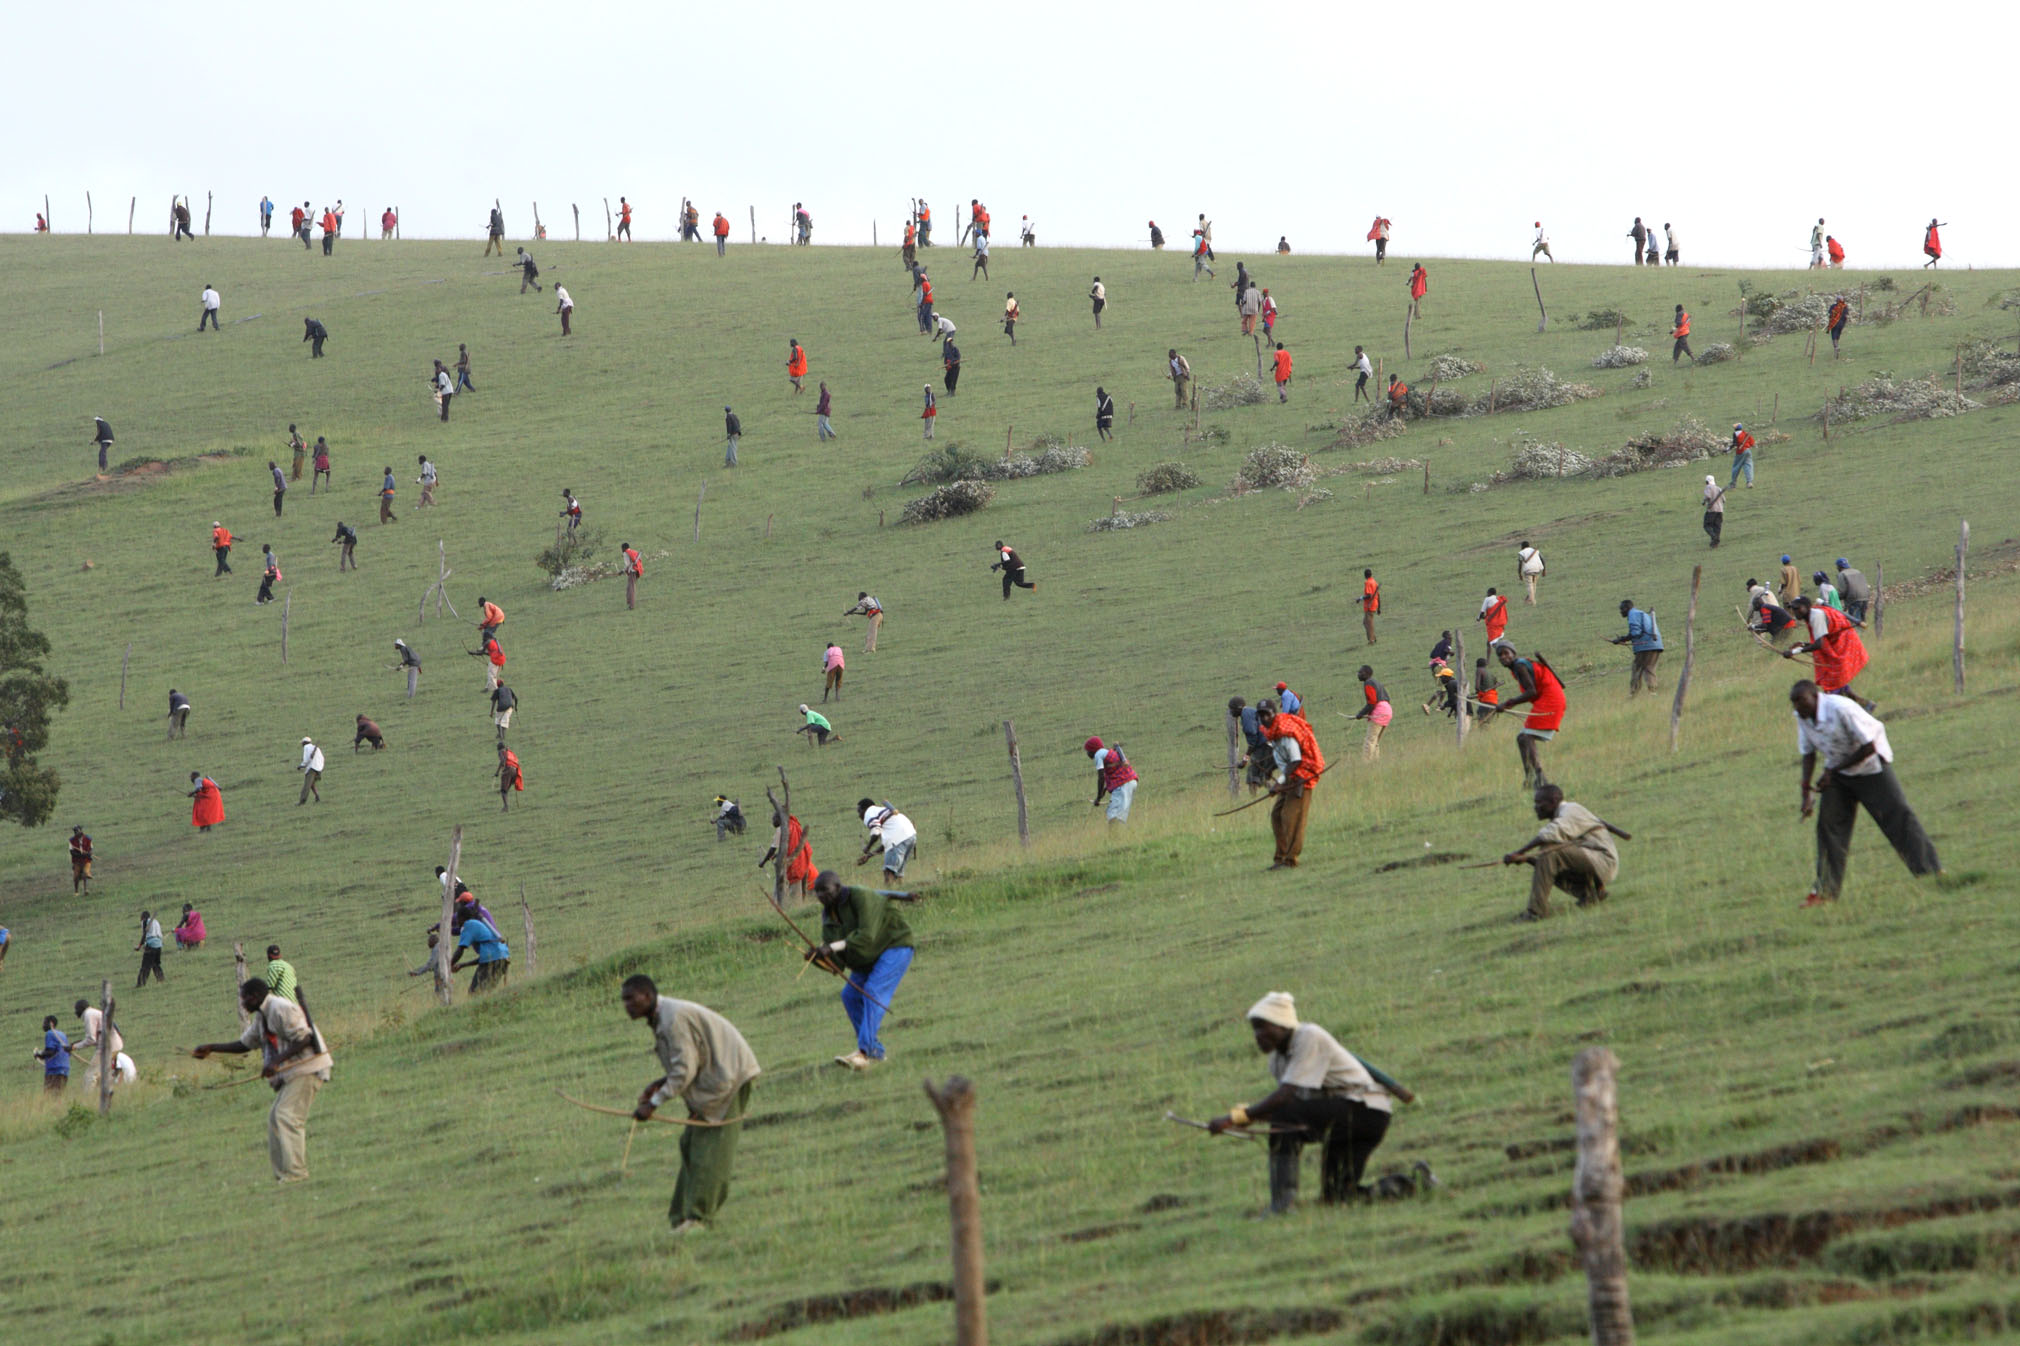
column 1324, row 1094
column 890, row 832
column 1529, row 569
column 427, row 481
column 981, row 267
column 1858, row 769
column 211, row 304
column 943, row 326
column 563, row 305
column 1363, row 371
column 709, row 1067
column 1674, row 254
column 105, row 1048
column 294, row 1059
column 1542, row 244
column 1181, row 374
column 312, row 771
column 1099, row 294
column 868, row 607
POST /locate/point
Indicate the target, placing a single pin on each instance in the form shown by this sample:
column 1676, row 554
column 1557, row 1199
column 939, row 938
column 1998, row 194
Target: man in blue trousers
column 863, row 933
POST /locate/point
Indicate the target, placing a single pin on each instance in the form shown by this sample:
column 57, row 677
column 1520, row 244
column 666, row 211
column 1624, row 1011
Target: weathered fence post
column 526, row 914
column 122, row 673
column 1957, row 650
column 1233, row 767
column 955, row 1102
column 1689, row 655
column 89, row 215
column 238, row 979
column 1879, row 600
column 443, row 947
column 1463, row 680
column 1596, row 1191
column 285, row 606
column 699, row 496
column 131, row 202
column 1543, row 321
column 108, row 1059
column 1017, row 780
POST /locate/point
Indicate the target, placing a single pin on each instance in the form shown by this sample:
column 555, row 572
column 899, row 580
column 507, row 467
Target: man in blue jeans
column 865, row 936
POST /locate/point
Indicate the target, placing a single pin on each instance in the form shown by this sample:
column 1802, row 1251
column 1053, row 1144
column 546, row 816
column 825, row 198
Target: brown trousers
column 870, row 638
column 1287, row 820
column 1644, row 671
column 1574, row 869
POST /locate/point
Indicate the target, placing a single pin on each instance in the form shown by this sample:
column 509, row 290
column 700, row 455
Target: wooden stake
column 444, row 986
column 1233, row 764
column 1957, row 649
column 88, row 214
column 768, row 528
column 1618, row 324
column 1132, row 414
column 955, row 1102
column 697, row 511
column 577, row 211
column 1407, row 314
column 1689, row 656
column 238, row 979
column 206, row 214
column 1017, row 782
column 1464, row 679
column 1493, row 394
column 1596, row 1192
column 52, row 226
column 526, row 916
column 1827, row 420
column 1960, row 371
column 1777, row 411
column 285, row 605
column 131, row 202
column 606, row 220
column 101, row 331
column 1430, row 410
column 1543, row 321
column 536, row 219
column 1879, row 600
column 1427, row 476
column 1006, row 443
column 753, row 224
column 108, row 1059
column 122, row 673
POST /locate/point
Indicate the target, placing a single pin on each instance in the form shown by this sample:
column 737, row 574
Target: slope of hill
column 1818, row 1106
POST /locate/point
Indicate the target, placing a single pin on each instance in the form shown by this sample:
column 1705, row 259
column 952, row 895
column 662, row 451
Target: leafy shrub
column 1275, row 465
column 948, row 502
column 1244, row 390
column 1166, row 478
column 1115, row 523
column 1619, row 357
column 571, row 552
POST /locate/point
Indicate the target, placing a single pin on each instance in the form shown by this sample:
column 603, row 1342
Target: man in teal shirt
column 817, row 729
column 494, row 959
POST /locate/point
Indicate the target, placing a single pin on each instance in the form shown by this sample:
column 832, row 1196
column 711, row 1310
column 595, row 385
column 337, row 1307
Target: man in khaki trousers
column 294, row 1060
column 1573, row 850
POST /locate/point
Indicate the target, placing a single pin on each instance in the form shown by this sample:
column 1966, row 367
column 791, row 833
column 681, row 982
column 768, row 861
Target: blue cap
column 1785, row 559
column 1843, row 564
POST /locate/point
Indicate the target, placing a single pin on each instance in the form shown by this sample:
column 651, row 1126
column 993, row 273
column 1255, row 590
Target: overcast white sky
column 1463, row 123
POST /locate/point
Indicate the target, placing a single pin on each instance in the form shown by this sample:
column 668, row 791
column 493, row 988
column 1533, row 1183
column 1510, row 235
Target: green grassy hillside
column 1818, row 1106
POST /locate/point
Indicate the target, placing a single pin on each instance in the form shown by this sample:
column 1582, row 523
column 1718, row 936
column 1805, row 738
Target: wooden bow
column 627, row 1112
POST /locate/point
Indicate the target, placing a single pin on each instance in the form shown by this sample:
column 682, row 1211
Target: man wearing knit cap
column 1791, row 587
column 1113, row 777
column 1325, row 1094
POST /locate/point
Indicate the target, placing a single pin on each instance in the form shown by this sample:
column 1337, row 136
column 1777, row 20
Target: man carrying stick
column 294, row 1060
column 873, row 612
column 864, row 935
column 1834, row 641
column 1325, row 1095
column 1542, row 691
column 1858, row 769
column 1299, row 766
column 709, row 1067
column 1572, row 851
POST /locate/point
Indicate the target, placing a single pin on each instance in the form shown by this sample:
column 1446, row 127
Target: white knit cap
column 1275, row 1008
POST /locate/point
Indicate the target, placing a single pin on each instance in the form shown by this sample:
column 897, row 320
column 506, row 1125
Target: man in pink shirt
column 832, row 662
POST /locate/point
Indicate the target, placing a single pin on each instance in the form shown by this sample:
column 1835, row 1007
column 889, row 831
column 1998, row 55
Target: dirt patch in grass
column 1998, row 1072
column 1420, row 861
column 867, row 1303
column 1819, row 1151
column 1214, row 1327
column 1164, row 1201
column 1095, row 1233
column 1707, row 1246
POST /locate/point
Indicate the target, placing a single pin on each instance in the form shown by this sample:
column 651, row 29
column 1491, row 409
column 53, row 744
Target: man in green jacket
column 864, row 935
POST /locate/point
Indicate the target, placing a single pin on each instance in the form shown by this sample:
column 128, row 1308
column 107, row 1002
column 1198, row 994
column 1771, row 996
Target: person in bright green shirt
column 280, row 974
column 817, row 729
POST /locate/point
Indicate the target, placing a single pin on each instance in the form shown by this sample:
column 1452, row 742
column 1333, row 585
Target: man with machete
column 1325, row 1095
column 294, row 1060
column 1572, row 851
column 710, row 1068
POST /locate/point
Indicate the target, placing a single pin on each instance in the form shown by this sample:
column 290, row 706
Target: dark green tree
column 28, row 697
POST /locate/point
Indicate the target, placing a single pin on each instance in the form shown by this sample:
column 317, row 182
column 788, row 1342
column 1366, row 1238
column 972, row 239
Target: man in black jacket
column 313, row 330
column 1012, row 566
column 496, row 231
column 733, row 428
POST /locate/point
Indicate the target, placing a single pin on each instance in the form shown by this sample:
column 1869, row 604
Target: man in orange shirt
column 489, row 618
column 799, row 856
column 509, row 777
column 220, row 542
column 1494, row 612
column 796, row 364
column 634, row 570
column 721, row 233
column 1371, row 602
column 1299, row 766
column 329, row 224
column 623, row 218
column 1283, row 373
column 494, row 658
column 1681, row 331
column 1932, row 244
column 1399, row 392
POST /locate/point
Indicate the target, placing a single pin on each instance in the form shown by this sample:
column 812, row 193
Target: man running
column 311, row 767
column 1646, row 638
column 1529, row 569
column 1376, row 710
column 1680, row 330
column 1012, row 566
column 1834, row 641
column 510, row 778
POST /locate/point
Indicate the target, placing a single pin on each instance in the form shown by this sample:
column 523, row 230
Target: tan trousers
column 490, row 675
column 1287, row 819
column 630, row 590
column 287, row 1128
column 1368, row 624
column 1529, row 584
column 1643, row 674
column 870, row 638
column 1371, row 747
column 1574, row 869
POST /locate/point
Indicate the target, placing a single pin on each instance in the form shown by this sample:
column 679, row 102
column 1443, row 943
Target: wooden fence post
column 1427, row 461
column 1879, row 600
column 697, row 510
column 285, row 606
column 444, row 948
column 131, row 202
column 207, row 198
column 955, row 1102
column 1233, row 768
column 577, row 210
column 1596, row 1192
column 1407, row 314
column 1462, row 679
column 1543, row 321
column 89, row 215
column 753, row 224
column 108, row 1059
column 1957, row 651
column 238, row 979
column 606, row 221
column 122, row 673
column 526, row 914
column 1689, row 656
column 1827, row 420
column 1017, row 780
